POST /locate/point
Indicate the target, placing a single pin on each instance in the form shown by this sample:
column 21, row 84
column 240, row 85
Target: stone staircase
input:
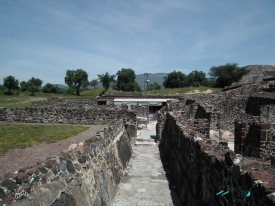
column 147, row 136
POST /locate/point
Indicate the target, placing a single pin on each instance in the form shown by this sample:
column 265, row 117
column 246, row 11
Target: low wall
column 87, row 174
column 68, row 115
column 208, row 174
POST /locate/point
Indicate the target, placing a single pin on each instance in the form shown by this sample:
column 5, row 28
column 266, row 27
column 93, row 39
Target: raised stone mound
column 257, row 73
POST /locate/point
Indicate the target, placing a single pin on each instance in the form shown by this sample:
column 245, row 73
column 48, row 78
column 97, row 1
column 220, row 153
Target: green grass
column 14, row 136
column 185, row 90
column 22, row 99
column 91, row 92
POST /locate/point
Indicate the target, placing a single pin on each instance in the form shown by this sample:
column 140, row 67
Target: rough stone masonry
column 192, row 133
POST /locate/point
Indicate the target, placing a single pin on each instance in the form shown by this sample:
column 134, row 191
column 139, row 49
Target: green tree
column 126, row 80
column 50, row 88
column 94, row 83
column 106, row 80
column 10, row 83
column 196, row 79
column 24, row 86
column 225, row 75
column 154, row 86
column 76, row 79
column 34, row 84
column 175, row 80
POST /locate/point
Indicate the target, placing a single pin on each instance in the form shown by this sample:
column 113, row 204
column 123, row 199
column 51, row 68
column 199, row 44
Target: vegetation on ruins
column 10, row 83
column 126, row 80
column 106, row 80
column 175, row 80
column 154, row 86
column 76, row 79
column 225, row 75
column 93, row 83
column 21, row 136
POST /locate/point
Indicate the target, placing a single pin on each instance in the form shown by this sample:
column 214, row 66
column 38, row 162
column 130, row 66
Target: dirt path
column 30, row 156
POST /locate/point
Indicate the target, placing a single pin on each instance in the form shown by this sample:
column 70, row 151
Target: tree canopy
column 50, row 88
column 76, row 79
column 33, row 85
column 94, row 83
column 106, row 80
column 197, row 78
column 225, row 75
column 10, row 83
column 154, row 86
column 126, row 80
column 175, row 80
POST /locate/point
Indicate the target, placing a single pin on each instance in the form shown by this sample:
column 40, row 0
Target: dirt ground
column 30, row 156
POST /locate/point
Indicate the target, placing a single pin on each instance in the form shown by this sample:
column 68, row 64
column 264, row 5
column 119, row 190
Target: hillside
column 61, row 86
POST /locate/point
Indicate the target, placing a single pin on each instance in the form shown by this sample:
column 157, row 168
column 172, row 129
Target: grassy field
column 24, row 99
column 14, row 136
column 91, row 92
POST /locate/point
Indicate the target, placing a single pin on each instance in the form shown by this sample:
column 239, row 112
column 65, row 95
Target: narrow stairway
column 147, row 180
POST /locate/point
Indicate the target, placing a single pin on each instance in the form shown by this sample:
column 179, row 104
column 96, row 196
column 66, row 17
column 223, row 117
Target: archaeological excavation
column 219, row 149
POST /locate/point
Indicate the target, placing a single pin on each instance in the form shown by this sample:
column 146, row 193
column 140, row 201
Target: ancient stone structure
column 207, row 172
column 257, row 73
column 87, row 174
column 195, row 133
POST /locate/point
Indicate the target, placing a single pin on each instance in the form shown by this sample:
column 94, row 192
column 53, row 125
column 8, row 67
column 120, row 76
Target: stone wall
column 141, row 111
column 86, row 174
column 137, row 95
column 56, row 101
column 209, row 174
column 68, row 115
column 255, row 139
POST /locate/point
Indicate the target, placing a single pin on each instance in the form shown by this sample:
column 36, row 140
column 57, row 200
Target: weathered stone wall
column 255, row 103
column 137, row 95
column 255, row 139
column 202, row 170
column 67, row 115
column 141, row 111
column 56, row 101
column 86, row 174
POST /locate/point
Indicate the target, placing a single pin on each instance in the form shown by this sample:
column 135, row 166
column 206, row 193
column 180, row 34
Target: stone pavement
column 147, row 180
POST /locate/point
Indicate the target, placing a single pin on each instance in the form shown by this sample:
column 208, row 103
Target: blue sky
column 43, row 39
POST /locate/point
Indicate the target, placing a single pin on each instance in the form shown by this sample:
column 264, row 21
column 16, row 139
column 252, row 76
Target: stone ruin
column 198, row 134
column 194, row 134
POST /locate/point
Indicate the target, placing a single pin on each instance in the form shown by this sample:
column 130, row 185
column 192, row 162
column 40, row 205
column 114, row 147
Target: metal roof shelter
column 141, row 102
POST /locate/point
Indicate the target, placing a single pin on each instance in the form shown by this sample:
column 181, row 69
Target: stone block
column 264, row 126
column 262, row 175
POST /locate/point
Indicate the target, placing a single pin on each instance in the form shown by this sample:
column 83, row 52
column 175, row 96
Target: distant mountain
column 61, row 86
column 158, row 77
